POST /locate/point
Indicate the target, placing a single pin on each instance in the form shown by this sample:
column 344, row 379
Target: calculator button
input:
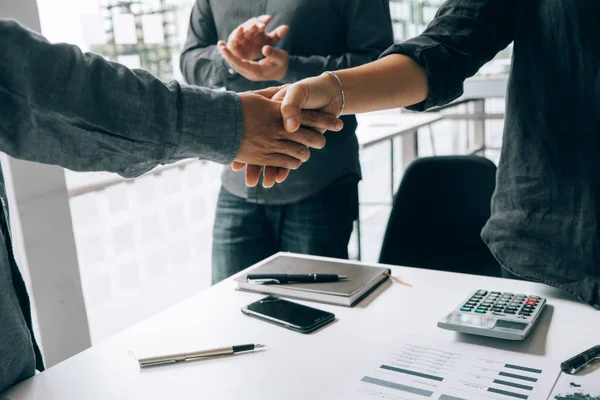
column 467, row 309
column 498, row 293
column 480, row 311
column 481, row 292
column 525, row 313
column 486, row 304
column 531, row 302
column 507, row 311
column 509, row 308
column 535, row 297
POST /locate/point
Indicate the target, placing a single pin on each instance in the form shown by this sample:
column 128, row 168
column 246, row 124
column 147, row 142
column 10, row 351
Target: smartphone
column 287, row 314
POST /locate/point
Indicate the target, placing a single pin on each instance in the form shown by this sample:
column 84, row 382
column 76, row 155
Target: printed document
column 420, row 368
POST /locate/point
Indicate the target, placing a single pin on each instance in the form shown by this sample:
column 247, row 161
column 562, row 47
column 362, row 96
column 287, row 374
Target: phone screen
column 287, row 311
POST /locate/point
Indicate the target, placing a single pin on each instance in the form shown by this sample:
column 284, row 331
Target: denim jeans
column 246, row 233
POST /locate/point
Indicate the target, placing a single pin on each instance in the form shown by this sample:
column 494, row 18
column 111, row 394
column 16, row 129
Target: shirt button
column 231, row 71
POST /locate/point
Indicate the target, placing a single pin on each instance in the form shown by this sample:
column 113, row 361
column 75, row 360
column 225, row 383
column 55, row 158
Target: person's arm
column 61, row 106
column 201, row 63
column 368, row 30
column 423, row 72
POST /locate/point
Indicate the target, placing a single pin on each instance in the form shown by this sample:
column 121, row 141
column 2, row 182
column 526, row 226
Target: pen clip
column 266, row 281
column 155, row 363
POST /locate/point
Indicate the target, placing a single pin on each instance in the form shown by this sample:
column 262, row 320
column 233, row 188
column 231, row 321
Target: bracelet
column 342, row 88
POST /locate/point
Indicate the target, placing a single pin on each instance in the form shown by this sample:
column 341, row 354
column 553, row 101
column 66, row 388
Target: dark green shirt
column 545, row 223
column 60, row 106
column 325, row 35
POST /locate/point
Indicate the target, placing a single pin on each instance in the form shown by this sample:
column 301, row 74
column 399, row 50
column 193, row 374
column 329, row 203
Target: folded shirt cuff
column 443, row 84
column 212, row 125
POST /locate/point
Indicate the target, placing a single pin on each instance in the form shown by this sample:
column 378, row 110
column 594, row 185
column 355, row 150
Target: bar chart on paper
column 416, row 368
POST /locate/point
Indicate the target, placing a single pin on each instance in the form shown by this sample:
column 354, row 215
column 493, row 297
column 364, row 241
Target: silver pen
column 181, row 357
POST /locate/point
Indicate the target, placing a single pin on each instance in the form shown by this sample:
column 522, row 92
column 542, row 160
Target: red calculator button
column 531, row 302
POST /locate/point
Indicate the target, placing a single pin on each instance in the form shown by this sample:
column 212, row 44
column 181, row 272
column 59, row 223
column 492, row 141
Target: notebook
column 361, row 279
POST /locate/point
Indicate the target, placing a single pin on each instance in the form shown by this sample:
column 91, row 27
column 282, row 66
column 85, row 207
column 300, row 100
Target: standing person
column 314, row 210
column 545, row 222
column 60, row 106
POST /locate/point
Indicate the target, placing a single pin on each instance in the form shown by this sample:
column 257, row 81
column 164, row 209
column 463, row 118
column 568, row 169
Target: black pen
column 294, row 278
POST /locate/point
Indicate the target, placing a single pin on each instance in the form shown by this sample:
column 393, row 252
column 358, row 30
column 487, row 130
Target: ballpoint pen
column 181, row 357
column 581, row 361
column 294, row 278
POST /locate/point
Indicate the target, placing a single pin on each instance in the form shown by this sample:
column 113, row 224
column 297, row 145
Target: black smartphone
column 287, row 314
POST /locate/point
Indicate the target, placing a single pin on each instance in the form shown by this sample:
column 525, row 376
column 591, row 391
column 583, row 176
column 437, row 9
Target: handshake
column 282, row 124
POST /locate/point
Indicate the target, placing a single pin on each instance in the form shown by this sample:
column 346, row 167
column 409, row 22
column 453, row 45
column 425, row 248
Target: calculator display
column 501, row 323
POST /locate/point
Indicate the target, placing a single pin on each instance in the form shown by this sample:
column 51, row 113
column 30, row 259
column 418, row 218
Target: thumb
column 291, row 107
column 273, row 53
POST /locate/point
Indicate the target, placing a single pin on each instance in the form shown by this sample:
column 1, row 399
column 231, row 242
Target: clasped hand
column 307, row 109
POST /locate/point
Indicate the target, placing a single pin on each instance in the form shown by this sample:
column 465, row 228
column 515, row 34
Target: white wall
column 44, row 242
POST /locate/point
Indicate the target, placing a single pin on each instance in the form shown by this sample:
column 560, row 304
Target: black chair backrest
column 440, row 208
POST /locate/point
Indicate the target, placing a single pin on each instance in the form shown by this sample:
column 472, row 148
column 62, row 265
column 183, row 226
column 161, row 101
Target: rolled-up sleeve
column 464, row 35
column 61, row 106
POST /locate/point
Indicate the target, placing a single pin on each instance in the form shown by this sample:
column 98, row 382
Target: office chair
column 438, row 213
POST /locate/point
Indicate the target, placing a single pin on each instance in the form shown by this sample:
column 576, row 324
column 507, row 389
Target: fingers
column 307, row 138
column 282, row 174
column 269, row 92
column 269, row 177
column 279, row 96
column 320, row 121
column 236, row 38
column 244, row 67
column 278, row 33
column 295, row 98
column 265, row 19
column 282, row 160
column 272, row 175
column 253, row 175
column 237, row 166
column 294, row 148
column 273, row 54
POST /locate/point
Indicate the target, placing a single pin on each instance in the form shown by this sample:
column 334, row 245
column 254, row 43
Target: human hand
column 320, row 93
column 247, row 40
column 266, row 142
column 273, row 67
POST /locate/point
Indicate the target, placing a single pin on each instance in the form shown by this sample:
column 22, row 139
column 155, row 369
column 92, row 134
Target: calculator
column 495, row 314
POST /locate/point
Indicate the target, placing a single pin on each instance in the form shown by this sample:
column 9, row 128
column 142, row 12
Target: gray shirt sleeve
column 61, row 106
column 201, row 62
column 464, row 35
column 368, row 30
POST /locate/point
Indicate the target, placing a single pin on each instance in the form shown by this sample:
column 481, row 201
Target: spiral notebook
column 361, row 281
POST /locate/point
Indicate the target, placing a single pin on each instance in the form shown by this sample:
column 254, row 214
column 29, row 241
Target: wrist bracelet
column 342, row 89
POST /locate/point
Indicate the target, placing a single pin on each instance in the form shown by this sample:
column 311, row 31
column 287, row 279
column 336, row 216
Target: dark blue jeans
column 246, row 233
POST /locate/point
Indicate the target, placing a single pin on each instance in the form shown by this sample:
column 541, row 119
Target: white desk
column 295, row 366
